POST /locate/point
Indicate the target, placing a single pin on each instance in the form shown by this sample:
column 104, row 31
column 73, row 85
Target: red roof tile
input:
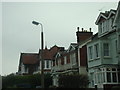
column 30, row 58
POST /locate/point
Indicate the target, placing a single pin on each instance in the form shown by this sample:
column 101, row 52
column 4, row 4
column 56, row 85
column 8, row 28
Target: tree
column 73, row 81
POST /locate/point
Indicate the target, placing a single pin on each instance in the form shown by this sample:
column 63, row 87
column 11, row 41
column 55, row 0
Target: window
column 108, row 77
column 116, row 45
column 47, row 64
column 118, row 75
column 92, row 79
column 103, row 26
column 114, row 77
column 100, row 27
column 96, row 50
column 91, row 52
column 68, row 58
column 106, row 49
column 73, row 58
column 65, row 60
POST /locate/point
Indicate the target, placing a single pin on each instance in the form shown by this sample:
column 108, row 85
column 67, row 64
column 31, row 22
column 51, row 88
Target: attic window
column 100, row 27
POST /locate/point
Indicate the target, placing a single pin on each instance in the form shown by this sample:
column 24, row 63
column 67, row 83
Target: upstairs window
column 65, row 60
column 91, row 52
column 100, row 27
column 47, row 64
column 96, row 50
column 106, row 49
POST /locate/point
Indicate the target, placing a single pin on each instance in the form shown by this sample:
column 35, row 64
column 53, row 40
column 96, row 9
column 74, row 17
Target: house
column 73, row 60
column 83, row 37
column 102, row 51
column 64, row 63
column 30, row 63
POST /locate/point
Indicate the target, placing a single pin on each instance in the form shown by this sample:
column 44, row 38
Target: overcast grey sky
column 59, row 20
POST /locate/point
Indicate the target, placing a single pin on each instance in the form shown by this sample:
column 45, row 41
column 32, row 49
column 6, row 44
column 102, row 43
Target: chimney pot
column 90, row 29
column 78, row 28
column 82, row 29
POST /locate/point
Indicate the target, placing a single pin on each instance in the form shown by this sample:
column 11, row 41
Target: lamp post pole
column 42, row 60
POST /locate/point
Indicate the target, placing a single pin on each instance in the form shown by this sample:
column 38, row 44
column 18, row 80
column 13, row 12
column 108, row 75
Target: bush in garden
column 73, row 81
column 33, row 80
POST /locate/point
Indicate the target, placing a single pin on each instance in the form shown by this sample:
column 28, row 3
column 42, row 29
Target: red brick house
column 30, row 63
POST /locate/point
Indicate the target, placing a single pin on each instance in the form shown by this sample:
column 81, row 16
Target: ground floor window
column 119, row 75
column 107, row 75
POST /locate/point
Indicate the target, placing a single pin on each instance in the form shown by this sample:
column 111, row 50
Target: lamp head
column 34, row 22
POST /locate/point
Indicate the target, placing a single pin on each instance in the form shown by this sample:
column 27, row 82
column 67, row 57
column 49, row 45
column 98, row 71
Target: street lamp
column 42, row 61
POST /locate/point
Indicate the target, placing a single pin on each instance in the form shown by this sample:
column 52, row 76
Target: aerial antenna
column 101, row 9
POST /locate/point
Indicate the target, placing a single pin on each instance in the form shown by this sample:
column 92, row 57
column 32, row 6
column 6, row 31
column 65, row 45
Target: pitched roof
column 105, row 15
column 29, row 58
column 117, row 17
column 46, row 54
column 49, row 54
column 74, row 44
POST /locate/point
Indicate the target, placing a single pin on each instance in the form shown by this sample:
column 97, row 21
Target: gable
column 102, row 17
column 71, row 48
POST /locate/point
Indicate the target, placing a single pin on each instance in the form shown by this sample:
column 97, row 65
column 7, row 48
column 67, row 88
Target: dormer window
column 105, row 22
column 100, row 27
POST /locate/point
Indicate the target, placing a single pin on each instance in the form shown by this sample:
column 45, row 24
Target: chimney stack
column 83, row 35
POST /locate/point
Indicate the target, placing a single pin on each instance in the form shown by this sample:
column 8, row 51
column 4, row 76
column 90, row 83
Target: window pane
column 96, row 50
column 114, row 77
column 108, row 77
column 103, row 76
column 90, row 52
column 99, row 78
column 113, row 69
column 106, row 49
column 118, row 76
column 47, row 64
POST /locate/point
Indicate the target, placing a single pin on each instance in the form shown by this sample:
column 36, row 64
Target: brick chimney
column 83, row 34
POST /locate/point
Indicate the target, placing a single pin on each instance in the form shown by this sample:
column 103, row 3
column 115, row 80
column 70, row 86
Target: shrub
column 34, row 80
column 73, row 81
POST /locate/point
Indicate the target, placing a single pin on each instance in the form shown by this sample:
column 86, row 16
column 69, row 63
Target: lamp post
column 42, row 61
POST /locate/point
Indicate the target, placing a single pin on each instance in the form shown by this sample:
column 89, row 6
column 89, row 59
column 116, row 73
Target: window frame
column 106, row 50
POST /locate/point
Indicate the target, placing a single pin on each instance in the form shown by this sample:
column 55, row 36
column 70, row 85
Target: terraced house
column 103, row 51
column 74, row 59
column 30, row 63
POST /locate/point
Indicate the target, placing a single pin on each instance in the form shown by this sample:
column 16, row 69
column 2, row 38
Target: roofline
column 100, row 15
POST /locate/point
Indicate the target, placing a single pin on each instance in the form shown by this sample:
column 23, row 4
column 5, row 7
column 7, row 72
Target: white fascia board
column 83, row 44
column 112, row 12
column 117, row 14
column 101, row 15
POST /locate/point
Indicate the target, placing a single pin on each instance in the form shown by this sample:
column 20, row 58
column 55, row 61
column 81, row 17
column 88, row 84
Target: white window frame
column 90, row 49
column 96, row 48
column 106, row 51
